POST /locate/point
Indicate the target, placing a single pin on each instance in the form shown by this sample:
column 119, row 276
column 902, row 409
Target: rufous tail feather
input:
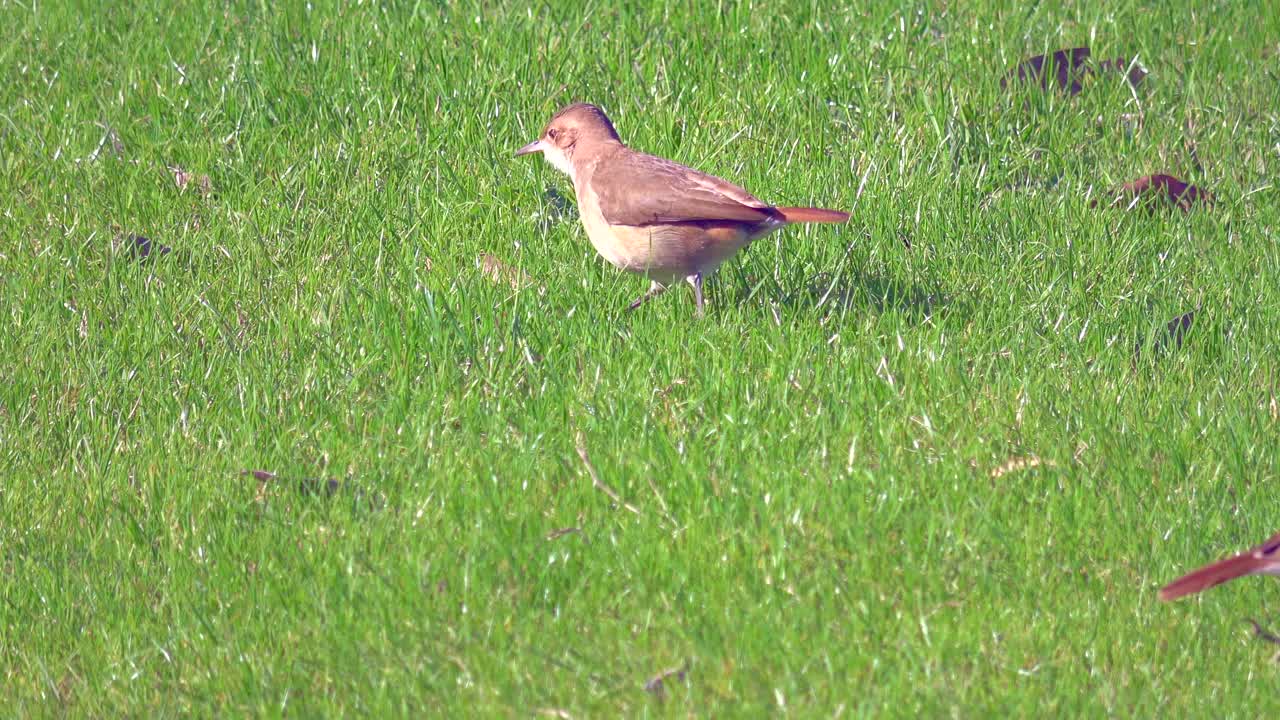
column 1210, row 575
column 812, row 215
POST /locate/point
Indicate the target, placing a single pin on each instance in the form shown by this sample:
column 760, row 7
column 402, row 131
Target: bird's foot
column 655, row 289
column 1261, row 632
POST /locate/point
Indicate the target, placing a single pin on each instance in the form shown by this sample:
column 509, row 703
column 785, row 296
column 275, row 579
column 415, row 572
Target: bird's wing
column 638, row 189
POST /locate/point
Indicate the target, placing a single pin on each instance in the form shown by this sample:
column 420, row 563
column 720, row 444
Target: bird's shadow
column 825, row 293
column 842, row 294
column 558, row 209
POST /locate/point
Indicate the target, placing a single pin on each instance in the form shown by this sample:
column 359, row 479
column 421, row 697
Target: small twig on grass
column 595, row 478
column 561, row 532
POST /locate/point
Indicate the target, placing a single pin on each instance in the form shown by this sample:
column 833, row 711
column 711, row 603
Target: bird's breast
column 603, row 238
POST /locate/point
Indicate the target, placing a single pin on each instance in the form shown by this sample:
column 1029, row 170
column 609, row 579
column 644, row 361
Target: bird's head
column 571, row 130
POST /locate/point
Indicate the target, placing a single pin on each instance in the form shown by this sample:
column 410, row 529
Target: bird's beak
column 535, row 146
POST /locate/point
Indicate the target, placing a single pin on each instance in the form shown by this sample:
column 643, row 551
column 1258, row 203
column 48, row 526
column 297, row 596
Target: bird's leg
column 655, row 289
column 696, row 281
column 1262, row 632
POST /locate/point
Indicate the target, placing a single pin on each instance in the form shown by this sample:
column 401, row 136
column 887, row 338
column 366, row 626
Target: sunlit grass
column 876, row 479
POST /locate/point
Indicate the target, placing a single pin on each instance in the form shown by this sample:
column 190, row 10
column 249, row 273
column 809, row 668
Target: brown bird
column 1262, row 560
column 652, row 216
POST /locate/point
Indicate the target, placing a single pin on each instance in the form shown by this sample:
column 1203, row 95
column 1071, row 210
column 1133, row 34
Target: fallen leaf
column 1175, row 332
column 319, row 486
column 1066, row 70
column 65, row 689
column 311, row 486
column 657, row 683
column 500, row 272
column 1149, row 189
column 143, row 247
column 1132, row 70
column 1015, row 464
column 264, row 478
column 109, row 135
column 182, row 179
column 1131, row 122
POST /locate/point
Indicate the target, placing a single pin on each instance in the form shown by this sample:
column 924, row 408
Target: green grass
column 822, row 522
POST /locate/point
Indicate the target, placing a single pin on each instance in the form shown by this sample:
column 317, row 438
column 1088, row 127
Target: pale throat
column 560, row 161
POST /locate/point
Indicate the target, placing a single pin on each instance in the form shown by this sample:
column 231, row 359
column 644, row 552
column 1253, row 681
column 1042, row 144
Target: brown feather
column 1209, row 576
column 639, row 189
column 1262, row 559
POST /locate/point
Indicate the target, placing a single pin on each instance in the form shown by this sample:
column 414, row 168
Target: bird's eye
column 553, row 134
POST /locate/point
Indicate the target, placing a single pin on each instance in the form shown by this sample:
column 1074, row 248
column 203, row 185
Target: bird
column 1261, row 560
column 652, row 216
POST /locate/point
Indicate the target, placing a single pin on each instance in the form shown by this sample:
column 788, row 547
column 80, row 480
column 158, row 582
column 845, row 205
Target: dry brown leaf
column 500, row 272
column 657, row 683
column 264, row 478
column 142, row 247
column 1151, row 191
column 182, row 179
column 1066, row 70
column 1175, row 332
column 109, row 136
column 1132, row 70
column 328, row 487
column 65, row 689
column 319, row 486
column 1019, row 463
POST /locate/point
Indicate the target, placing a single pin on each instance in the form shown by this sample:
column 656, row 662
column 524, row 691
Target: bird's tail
column 1215, row 574
column 812, row 215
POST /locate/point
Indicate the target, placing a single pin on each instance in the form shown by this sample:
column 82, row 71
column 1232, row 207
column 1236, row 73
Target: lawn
column 908, row 466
